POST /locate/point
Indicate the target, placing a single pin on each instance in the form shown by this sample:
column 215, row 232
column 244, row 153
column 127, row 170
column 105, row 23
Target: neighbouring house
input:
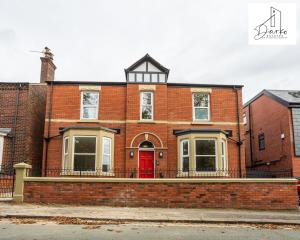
column 272, row 131
column 143, row 127
column 22, row 118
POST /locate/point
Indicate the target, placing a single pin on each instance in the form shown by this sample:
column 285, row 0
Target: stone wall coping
column 22, row 166
column 160, row 180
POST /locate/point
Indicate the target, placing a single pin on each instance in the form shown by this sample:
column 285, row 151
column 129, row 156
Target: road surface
column 41, row 229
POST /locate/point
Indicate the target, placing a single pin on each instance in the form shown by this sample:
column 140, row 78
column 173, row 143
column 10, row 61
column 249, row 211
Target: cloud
column 200, row 41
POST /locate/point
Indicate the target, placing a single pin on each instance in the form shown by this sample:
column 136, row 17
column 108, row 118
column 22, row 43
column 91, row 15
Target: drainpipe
column 15, row 123
column 47, row 139
column 239, row 143
column 250, row 134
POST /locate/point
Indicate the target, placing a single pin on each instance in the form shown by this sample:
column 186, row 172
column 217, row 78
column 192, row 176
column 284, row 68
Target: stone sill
column 88, row 121
column 160, row 180
column 202, row 123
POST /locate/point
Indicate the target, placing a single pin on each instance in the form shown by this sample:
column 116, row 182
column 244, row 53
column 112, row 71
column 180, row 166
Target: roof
column 64, row 129
column 289, row 98
column 125, row 83
column 148, row 58
column 198, row 130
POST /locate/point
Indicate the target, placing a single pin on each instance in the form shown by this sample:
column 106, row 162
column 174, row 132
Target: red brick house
column 143, row 125
column 272, row 131
column 22, row 118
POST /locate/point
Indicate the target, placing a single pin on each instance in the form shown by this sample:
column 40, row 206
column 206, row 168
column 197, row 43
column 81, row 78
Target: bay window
column 185, row 157
column 224, row 154
column 202, row 152
column 84, row 153
column 146, row 103
column 1, row 150
column 201, row 108
column 87, row 150
column 206, row 155
column 89, row 105
column 65, row 153
column 106, row 158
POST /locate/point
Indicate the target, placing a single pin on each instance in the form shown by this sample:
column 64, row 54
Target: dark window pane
column 185, row 148
column 205, row 164
column 85, row 145
column 146, row 98
column 84, row 162
column 90, row 98
column 205, row 147
column 200, row 100
column 105, row 168
column 147, row 112
column 261, row 141
column 185, row 164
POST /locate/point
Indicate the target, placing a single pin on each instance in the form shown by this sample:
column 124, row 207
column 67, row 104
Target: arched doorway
column 146, row 160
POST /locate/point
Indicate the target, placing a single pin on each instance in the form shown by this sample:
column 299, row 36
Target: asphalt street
column 31, row 229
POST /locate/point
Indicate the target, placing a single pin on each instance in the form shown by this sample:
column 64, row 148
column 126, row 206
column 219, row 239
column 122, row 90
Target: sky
column 199, row 41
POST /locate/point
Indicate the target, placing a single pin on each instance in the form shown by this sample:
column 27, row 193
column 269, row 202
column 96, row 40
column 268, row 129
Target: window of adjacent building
column 66, row 152
column 244, row 118
column 201, row 106
column 89, row 105
column 185, row 155
column 84, row 153
column 1, row 150
column 206, row 155
column 261, row 141
column 146, row 106
column 106, row 158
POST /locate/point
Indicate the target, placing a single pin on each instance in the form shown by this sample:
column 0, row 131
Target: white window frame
column 224, row 154
column 81, row 106
column 208, row 107
column 65, row 154
column 183, row 156
column 104, row 154
column 216, row 154
column 1, row 150
column 141, row 106
column 73, row 152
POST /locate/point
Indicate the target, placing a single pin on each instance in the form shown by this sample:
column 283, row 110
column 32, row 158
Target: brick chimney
column 47, row 66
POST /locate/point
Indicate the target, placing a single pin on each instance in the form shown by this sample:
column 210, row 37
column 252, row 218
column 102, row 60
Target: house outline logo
column 277, row 23
column 272, row 27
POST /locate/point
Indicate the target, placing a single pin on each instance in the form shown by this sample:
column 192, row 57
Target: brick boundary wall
column 271, row 194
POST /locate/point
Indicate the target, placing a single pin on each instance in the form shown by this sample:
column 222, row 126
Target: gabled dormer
column 147, row 70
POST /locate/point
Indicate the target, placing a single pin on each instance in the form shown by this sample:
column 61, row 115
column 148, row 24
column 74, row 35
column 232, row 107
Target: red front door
column 146, row 164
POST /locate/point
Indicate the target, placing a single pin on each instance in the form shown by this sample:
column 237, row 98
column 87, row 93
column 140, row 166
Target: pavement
column 179, row 215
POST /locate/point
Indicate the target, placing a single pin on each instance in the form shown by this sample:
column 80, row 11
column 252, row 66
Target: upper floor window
column 261, row 141
column 89, row 105
column 244, row 118
column 201, row 109
column 146, row 106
